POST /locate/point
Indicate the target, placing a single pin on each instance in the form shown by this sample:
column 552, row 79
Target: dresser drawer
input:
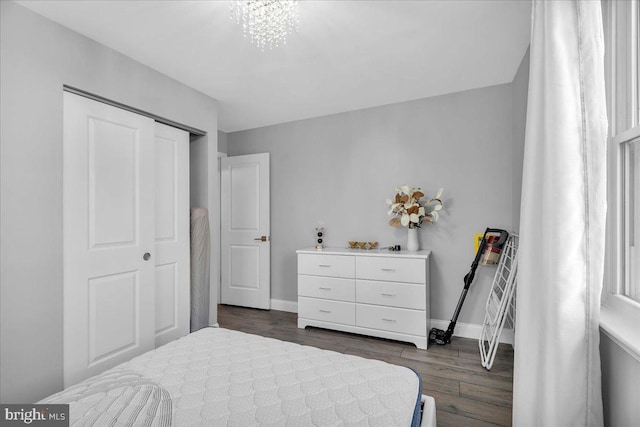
column 409, row 270
column 392, row 294
column 327, row 287
column 327, row 310
column 400, row 320
column 326, row 265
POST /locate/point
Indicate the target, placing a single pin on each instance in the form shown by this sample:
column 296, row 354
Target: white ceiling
column 347, row 55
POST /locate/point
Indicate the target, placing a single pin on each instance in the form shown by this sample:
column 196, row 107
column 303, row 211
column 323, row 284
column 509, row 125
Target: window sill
column 622, row 329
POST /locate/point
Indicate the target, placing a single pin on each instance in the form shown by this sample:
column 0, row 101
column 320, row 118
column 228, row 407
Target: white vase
column 412, row 239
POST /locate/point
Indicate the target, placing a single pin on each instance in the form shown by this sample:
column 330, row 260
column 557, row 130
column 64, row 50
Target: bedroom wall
column 338, row 171
column 37, row 57
column 520, row 97
column 620, row 384
column 222, row 142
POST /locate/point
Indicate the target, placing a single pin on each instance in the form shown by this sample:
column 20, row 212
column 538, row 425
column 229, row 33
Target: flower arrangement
column 410, row 210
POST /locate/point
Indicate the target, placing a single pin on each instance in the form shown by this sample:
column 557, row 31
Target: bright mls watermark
column 34, row 415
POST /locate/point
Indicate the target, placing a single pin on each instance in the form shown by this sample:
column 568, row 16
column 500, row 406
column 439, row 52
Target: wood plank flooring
column 466, row 394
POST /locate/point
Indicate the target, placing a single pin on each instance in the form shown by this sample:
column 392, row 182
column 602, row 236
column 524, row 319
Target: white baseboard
column 283, row 305
column 464, row 330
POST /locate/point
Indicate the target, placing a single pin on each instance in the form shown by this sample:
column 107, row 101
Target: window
column 631, row 216
column 620, row 313
column 631, row 159
column 623, row 19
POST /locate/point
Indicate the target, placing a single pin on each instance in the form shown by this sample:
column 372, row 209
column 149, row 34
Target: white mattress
column 220, row 377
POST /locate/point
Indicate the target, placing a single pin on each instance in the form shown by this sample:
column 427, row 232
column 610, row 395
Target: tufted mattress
column 219, row 377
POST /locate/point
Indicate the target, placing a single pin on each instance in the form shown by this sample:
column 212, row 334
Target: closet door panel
column 112, row 183
column 108, row 222
column 172, row 234
column 166, row 183
column 166, row 297
column 112, row 331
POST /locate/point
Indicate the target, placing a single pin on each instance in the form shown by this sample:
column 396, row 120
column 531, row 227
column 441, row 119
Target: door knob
column 262, row 238
column 146, row 256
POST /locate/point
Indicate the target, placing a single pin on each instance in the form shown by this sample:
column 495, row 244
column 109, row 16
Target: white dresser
column 375, row 292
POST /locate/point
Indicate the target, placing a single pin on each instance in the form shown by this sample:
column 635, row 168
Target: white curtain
column 562, row 230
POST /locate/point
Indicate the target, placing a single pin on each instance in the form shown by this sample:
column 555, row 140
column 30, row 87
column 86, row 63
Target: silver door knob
column 146, row 256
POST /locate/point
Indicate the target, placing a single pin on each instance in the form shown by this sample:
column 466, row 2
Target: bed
column 217, row 376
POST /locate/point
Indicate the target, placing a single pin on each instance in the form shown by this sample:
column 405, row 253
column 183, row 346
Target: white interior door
column 108, row 220
column 172, row 261
column 246, row 246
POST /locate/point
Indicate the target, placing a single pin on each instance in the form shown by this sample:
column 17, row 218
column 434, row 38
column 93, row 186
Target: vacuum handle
column 503, row 238
column 504, row 235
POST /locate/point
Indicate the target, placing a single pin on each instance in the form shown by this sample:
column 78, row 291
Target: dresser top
column 425, row 253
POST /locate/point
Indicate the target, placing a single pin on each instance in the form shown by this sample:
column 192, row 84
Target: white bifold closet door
column 125, row 234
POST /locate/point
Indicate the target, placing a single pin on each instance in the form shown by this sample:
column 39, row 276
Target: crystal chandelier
column 266, row 22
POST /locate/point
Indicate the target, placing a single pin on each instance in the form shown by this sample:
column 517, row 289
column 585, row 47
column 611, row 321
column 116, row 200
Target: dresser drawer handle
column 324, row 289
column 324, row 265
column 389, row 320
column 388, row 295
column 324, row 311
column 388, row 269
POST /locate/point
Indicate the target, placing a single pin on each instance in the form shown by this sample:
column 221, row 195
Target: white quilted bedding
column 218, row 377
column 119, row 398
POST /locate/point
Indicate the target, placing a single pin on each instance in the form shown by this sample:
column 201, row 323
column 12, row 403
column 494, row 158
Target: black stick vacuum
column 441, row 337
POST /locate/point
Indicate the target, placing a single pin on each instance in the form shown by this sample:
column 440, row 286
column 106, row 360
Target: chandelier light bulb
column 266, row 22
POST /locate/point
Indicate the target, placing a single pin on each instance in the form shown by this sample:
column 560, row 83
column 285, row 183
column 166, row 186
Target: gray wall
column 520, row 97
column 620, row 384
column 222, row 142
column 38, row 57
column 338, row 171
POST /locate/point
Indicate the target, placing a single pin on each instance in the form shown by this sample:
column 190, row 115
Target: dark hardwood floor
column 466, row 394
